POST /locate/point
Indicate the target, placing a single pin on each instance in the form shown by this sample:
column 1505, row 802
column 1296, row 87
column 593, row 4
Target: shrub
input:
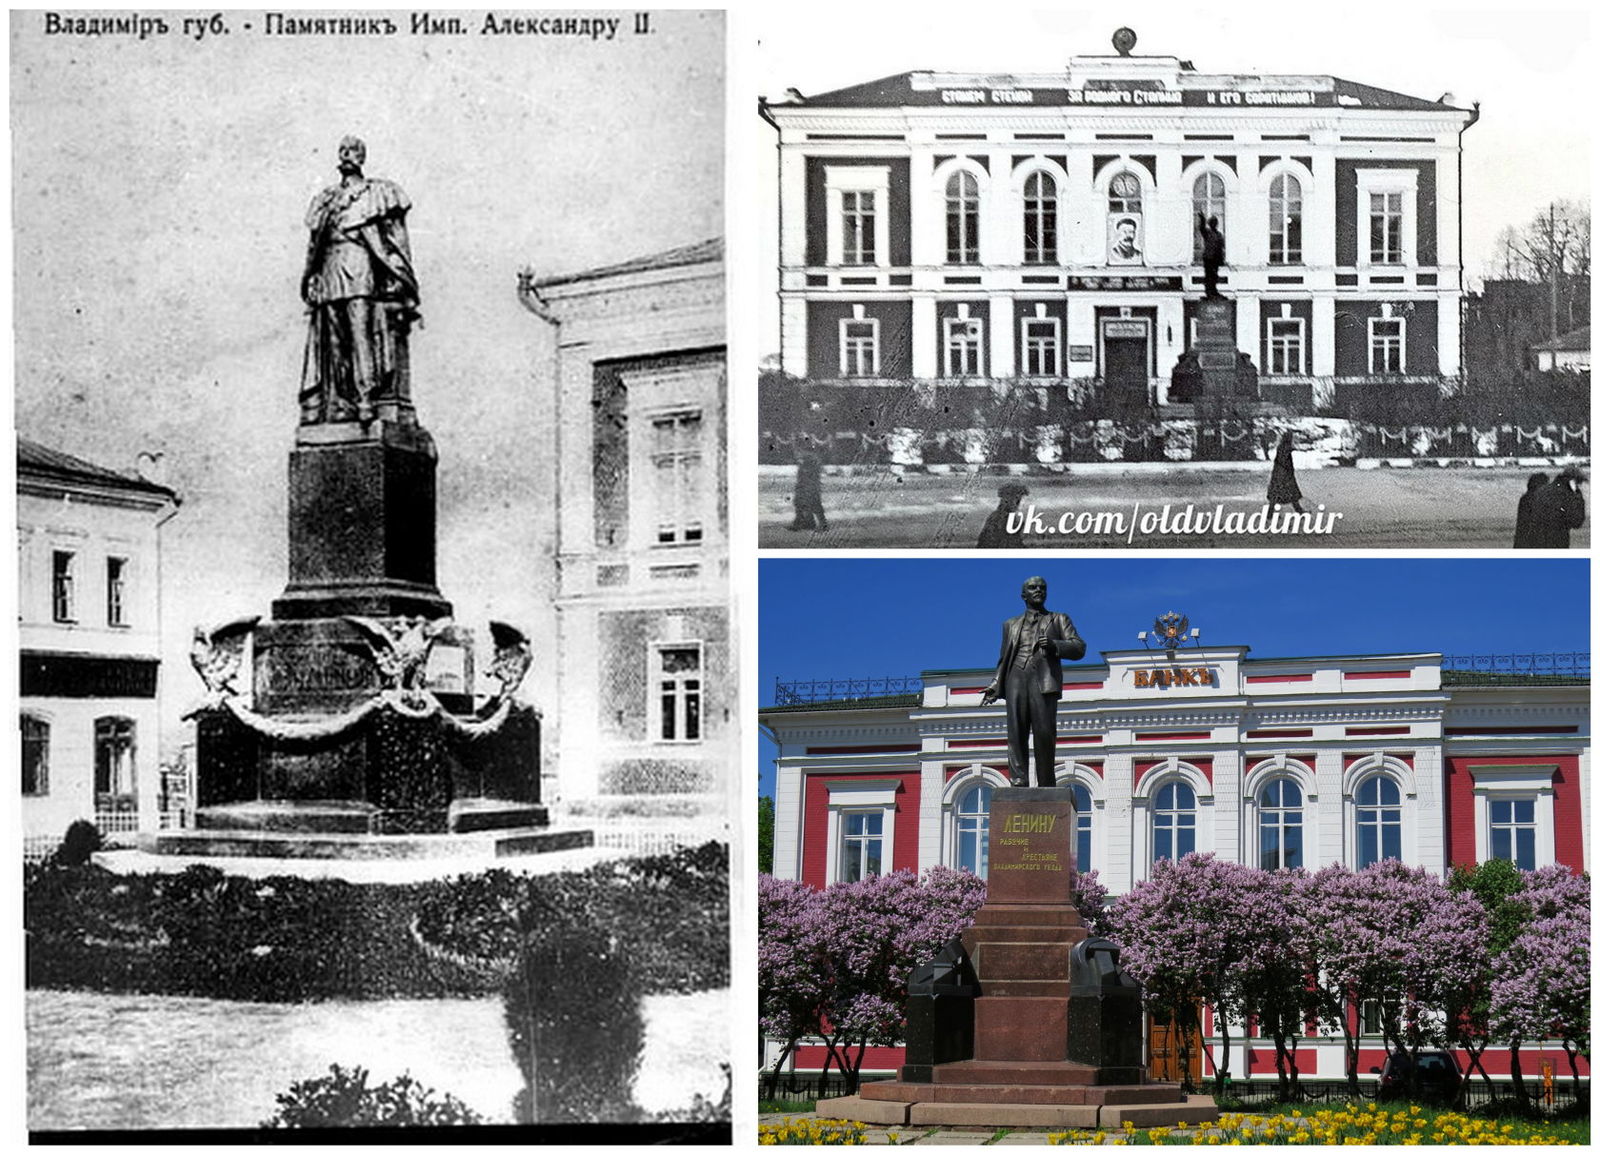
column 343, row 1099
column 81, row 840
column 572, row 1010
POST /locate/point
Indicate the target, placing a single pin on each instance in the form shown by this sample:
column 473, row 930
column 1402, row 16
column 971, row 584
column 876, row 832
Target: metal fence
column 842, row 690
column 1475, row 1095
column 1570, row 668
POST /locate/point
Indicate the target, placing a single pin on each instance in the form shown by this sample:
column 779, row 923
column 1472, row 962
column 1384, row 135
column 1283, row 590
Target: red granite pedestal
column 1021, row 1073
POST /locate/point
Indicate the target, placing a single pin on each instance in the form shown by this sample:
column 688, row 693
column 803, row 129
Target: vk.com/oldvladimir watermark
column 1173, row 521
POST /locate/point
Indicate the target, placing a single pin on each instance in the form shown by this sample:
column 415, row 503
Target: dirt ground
column 1427, row 508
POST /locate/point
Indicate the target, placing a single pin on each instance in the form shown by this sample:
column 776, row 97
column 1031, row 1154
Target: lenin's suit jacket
column 1059, row 629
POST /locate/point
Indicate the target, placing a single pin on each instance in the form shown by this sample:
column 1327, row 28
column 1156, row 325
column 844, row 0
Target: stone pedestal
column 1024, row 1068
column 362, row 523
column 1216, row 343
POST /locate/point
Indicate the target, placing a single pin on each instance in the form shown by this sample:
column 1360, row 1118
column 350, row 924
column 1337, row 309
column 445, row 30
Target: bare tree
column 1553, row 249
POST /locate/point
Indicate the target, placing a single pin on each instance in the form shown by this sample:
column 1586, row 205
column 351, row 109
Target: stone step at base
column 1034, row 1072
column 1191, row 1110
column 1077, row 1095
column 488, row 844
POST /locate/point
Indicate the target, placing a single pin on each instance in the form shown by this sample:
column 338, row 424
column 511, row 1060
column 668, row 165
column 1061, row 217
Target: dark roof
column 696, row 254
column 897, row 91
column 41, row 461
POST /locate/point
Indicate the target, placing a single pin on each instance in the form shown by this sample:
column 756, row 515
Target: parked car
column 1438, row 1076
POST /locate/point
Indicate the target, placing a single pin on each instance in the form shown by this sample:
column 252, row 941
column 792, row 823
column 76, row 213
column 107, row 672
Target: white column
column 1170, row 236
column 1247, row 327
column 924, row 338
column 1002, row 337
column 927, row 212
column 1322, row 324
column 1080, row 331
column 792, row 196
column 793, row 352
column 1449, row 334
column 1320, row 222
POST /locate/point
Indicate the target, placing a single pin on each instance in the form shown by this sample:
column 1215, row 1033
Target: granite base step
column 1190, row 1110
column 366, row 847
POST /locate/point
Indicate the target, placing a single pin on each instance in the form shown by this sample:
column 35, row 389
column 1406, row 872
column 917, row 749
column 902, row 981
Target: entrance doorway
column 1169, row 1054
column 1125, row 356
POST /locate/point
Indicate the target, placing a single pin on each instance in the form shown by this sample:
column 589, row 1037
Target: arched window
column 1210, row 200
column 961, row 219
column 1125, row 220
column 1083, row 834
column 35, row 755
column 1377, row 820
column 1283, row 214
column 1039, row 219
column 114, row 764
column 1281, row 820
column 1173, row 821
column 972, row 829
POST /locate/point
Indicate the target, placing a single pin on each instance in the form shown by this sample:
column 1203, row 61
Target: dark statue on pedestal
column 361, row 292
column 1213, row 251
column 359, row 733
column 1028, row 677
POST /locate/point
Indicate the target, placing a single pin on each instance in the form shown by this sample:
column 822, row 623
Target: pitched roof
column 41, row 461
column 700, row 253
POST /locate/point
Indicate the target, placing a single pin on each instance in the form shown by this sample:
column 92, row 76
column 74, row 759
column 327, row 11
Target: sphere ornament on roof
column 1123, row 40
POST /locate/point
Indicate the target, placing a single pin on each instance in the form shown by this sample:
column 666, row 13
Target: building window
column 1284, row 208
column 1281, row 821
column 1513, row 832
column 1286, row 345
column 961, row 219
column 1377, row 821
column 679, row 692
column 861, row 844
column 114, row 750
column 1039, row 220
column 1386, row 345
column 1083, row 834
column 858, row 227
column 1385, row 218
column 63, row 573
column 1041, row 347
column 858, row 214
column 1210, row 200
column 972, row 830
column 1125, row 220
column 35, row 755
column 1173, row 816
column 963, row 347
column 858, row 347
column 116, row 591
column 1374, row 1012
column 677, row 461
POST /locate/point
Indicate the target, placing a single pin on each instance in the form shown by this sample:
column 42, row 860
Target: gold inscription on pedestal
column 1026, row 824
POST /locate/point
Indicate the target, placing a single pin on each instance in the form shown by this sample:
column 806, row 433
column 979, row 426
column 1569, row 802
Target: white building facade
column 89, row 625
column 648, row 678
column 976, row 226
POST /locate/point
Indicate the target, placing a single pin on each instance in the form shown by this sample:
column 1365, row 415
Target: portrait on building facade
column 343, row 805
column 1291, row 238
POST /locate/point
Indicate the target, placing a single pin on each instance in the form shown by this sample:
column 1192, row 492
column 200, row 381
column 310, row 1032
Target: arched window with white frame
column 1173, row 818
column 1378, row 817
column 961, row 218
column 971, row 817
column 1210, row 200
column 1285, row 215
column 1280, row 825
column 1039, row 219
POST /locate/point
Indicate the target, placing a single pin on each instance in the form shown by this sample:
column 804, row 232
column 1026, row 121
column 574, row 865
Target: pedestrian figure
column 1187, row 379
column 1524, row 535
column 996, row 534
column 1554, row 511
column 1282, row 489
column 808, row 491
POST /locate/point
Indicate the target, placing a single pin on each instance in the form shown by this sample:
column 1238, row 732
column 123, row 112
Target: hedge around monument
column 202, row 933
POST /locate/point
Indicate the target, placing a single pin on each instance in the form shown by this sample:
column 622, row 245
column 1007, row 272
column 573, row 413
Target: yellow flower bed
column 814, row 1132
column 1351, row 1125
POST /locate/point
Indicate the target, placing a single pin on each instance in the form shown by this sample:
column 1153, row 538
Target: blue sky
column 835, row 618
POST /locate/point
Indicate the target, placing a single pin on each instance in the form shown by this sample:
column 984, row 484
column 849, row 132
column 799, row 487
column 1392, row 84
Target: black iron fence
column 1475, row 1096
column 1571, row 668
column 807, row 693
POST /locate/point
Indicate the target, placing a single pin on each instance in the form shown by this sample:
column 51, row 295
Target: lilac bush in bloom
column 834, row 963
column 1540, row 988
column 1091, row 897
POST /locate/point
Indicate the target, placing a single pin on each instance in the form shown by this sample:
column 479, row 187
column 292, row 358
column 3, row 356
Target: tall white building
column 645, row 717
column 943, row 226
column 88, row 604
